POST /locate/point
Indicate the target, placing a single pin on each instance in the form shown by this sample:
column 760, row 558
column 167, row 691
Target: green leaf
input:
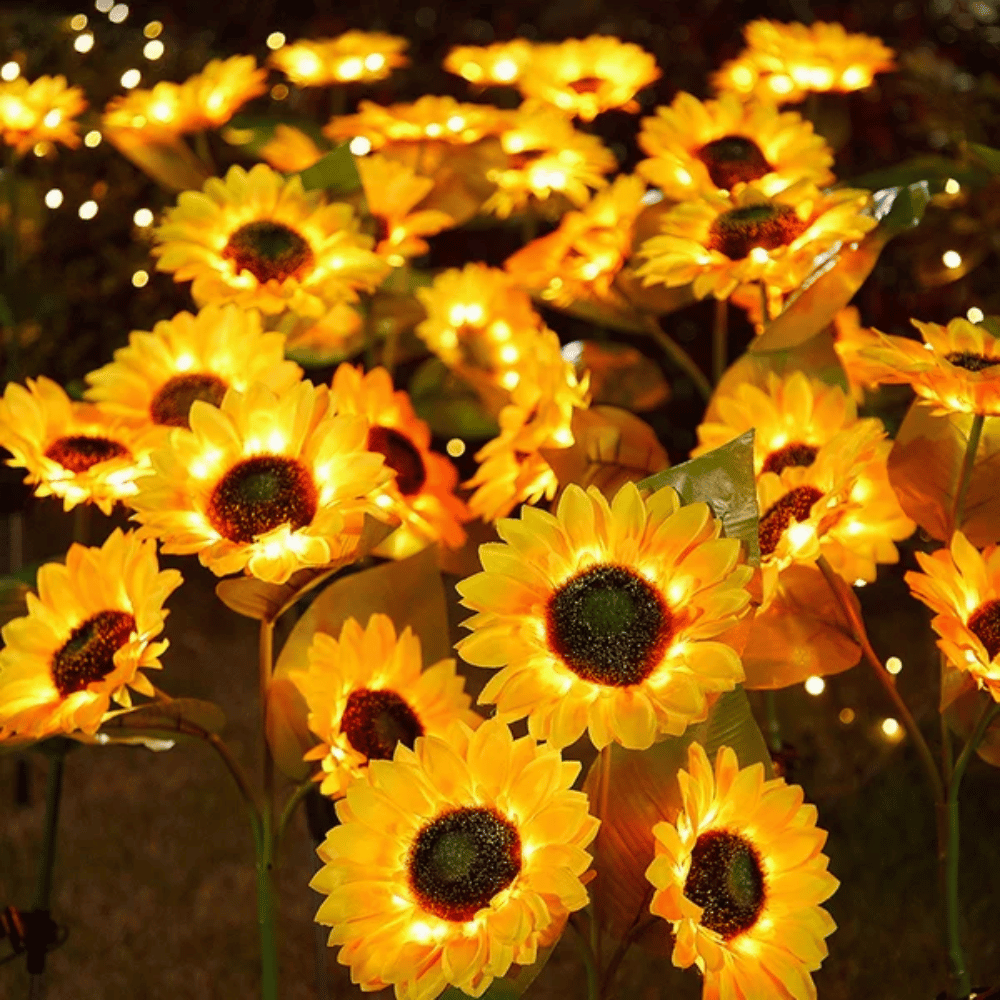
column 449, row 404
column 987, row 156
column 336, row 173
column 251, row 133
column 935, row 169
column 160, row 720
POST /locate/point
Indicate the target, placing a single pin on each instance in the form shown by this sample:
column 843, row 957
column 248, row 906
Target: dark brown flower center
column 732, row 159
column 609, row 626
column 736, row 232
column 259, row 494
column 88, row 654
column 79, row 452
column 984, row 624
column 461, row 860
column 172, row 402
column 796, row 453
column 586, row 85
column 402, row 456
column 793, row 506
column 374, row 721
column 972, row 362
column 727, row 881
column 269, row 251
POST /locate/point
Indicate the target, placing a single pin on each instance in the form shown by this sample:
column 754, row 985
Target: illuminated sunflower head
column 740, row 876
column 86, row 637
column 508, row 476
column 749, row 237
column 70, row 450
column 583, row 77
column 546, row 157
column 393, row 192
column 582, row 257
column 221, row 88
column 706, row 147
column 422, row 495
column 165, row 108
column 785, row 62
column 962, row 586
column 160, row 374
column 955, row 370
column 602, row 616
column 265, row 483
column 41, row 111
column 486, row 65
column 290, row 150
column 850, row 338
column 261, row 241
column 353, row 57
column 368, row 691
column 453, row 861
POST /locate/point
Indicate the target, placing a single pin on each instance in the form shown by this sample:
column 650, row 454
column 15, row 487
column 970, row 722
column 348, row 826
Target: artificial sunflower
column 546, row 157
column 956, row 369
column 261, row 241
column 785, row 62
column 367, row 691
column 581, row 259
column 850, row 338
column 165, row 109
column 962, row 586
column 393, row 192
column 70, row 450
column 740, row 876
column 353, row 57
column 486, row 65
column 160, row 374
column 86, row 637
column 41, row 111
column 422, row 495
column 722, row 243
column 265, row 483
column 704, row 147
column 222, row 87
column 603, row 616
column 508, row 476
column 583, row 77
column 453, row 861
column 290, row 150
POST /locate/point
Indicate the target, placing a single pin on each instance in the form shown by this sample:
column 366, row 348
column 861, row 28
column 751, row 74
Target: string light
column 42, row 149
column 891, row 728
column 951, row 259
column 275, row 40
column 860, row 583
column 118, row 13
column 279, row 92
column 153, row 50
column 894, row 664
column 84, row 42
column 143, row 217
column 104, row 5
column 153, row 29
column 455, row 447
column 88, row 209
column 131, row 78
column 975, row 314
column 815, row 685
column 78, row 22
column 53, row 197
column 10, row 71
column 92, row 139
column 951, row 186
column 140, row 279
column 846, row 716
column 360, row 146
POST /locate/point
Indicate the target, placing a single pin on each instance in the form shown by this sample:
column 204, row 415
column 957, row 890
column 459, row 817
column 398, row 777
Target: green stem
column 55, row 750
column 81, row 523
column 291, row 805
column 773, row 723
column 204, row 151
column 720, row 340
column 589, row 961
column 266, row 841
column 638, row 928
column 965, row 475
column 680, row 357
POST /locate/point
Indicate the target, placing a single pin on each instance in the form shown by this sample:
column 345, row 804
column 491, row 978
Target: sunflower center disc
column 89, row 653
column 171, row 404
column 609, row 626
column 461, row 860
column 732, row 159
column 401, row 456
column 984, row 624
column 793, row 506
column 586, row 85
column 727, row 881
column 736, row 232
column 971, row 362
column 260, row 493
column 374, row 721
column 269, row 251
column 796, row 453
column 79, row 452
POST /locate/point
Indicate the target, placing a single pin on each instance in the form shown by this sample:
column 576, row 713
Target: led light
column 53, row 198
column 84, row 42
column 104, row 5
column 275, row 40
column 10, row 71
column 41, row 149
column 78, row 22
column 140, row 279
column 374, row 62
column 350, row 69
column 854, row 77
column 118, row 13
column 53, row 118
column 975, row 314
column 846, row 716
column 951, row 186
column 742, row 77
column 131, row 78
column 894, row 664
column 88, row 209
column 92, row 139
column 153, row 29
column 759, row 255
column 455, row 447
column 860, row 583
column 471, row 72
column 279, row 92
column 780, row 84
column 891, row 728
column 951, row 259
column 143, row 217
column 153, row 50
column 800, row 535
column 815, row 685
column 360, row 146
column 505, row 70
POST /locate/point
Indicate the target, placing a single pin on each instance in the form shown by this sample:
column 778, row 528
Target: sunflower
column 393, row 192
column 264, row 483
column 581, row 259
column 850, row 338
column 70, row 450
column 223, row 86
column 508, row 476
column 784, row 62
column 290, row 150
column 546, row 157
column 704, row 147
column 725, row 242
column 956, row 369
column 87, row 635
column 353, row 57
column 962, row 586
column 483, row 65
column 165, row 109
column 584, row 77
column 368, row 691
column 602, row 616
column 40, row 111
column 261, row 241
column 160, row 374
column 422, row 495
column 453, row 861
column 740, row 876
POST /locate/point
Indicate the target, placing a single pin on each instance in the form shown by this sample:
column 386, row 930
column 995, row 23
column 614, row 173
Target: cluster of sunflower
column 626, row 615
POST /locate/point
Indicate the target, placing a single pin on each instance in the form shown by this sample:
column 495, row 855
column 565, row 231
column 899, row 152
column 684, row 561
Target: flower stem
column 587, row 954
column 774, row 740
column 680, row 357
column 291, row 805
column 266, row 840
column 56, row 750
column 720, row 340
column 965, row 475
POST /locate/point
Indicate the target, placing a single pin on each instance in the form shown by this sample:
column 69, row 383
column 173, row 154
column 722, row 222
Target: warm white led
column 894, row 664
column 951, row 259
column 84, row 42
column 143, row 217
column 92, row 139
column 10, row 71
column 360, row 146
column 118, row 13
column 140, row 279
column 975, row 314
column 53, row 197
column 891, row 728
column 153, row 50
column 153, row 29
column 275, row 40
column 88, row 209
column 455, row 447
column 104, row 5
column 951, row 186
column 131, row 78
column 815, row 685
column 78, row 22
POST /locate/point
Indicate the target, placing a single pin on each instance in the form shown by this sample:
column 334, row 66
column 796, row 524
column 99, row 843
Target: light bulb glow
column 153, row 29
column 894, row 664
column 131, row 78
column 84, row 42
column 140, row 279
column 891, row 728
column 143, row 217
column 88, row 209
column 118, row 13
column 815, row 685
column 53, row 198
column 455, row 447
column 360, row 146
column 975, row 315
column 951, row 259
column 92, row 139
column 153, row 50
column 275, row 40
column 10, row 71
